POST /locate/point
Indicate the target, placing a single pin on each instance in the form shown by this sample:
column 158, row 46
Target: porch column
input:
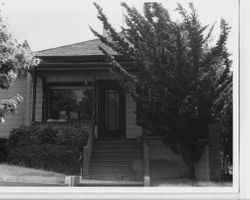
column 44, row 101
column 34, row 81
column 94, row 99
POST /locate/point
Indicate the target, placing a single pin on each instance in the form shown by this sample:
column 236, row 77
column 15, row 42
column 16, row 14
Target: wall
column 14, row 120
column 132, row 130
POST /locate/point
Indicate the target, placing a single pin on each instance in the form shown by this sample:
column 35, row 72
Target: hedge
column 3, row 152
column 47, row 147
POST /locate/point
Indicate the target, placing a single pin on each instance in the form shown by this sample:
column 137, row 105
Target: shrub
column 3, row 152
column 71, row 136
column 44, row 135
column 20, row 136
column 46, row 156
column 47, row 147
column 47, row 134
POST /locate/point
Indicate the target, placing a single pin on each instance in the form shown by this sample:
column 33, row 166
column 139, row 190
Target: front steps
column 115, row 162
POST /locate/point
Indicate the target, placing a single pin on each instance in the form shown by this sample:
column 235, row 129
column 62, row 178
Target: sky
column 52, row 23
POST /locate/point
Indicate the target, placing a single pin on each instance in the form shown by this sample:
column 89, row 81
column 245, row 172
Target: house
column 73, row 85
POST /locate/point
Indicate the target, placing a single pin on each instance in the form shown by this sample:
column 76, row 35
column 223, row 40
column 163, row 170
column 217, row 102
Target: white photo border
column 240, row 150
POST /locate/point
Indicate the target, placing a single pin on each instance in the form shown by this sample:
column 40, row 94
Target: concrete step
column 110, row 164
column 112, row 176
column 112, row 140
column 111, row 168
column 113, row 149
column 116, row 146
column 115, row 154
column 110, row 159
column 109, row 183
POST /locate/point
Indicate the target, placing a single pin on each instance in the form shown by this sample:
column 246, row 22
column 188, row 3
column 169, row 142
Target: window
column 71, row 103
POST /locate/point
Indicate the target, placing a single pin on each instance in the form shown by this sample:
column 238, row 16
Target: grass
column 188, row 183
column 11, row 173
column 170, row 174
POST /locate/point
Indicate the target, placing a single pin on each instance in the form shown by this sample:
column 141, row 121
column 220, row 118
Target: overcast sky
column 51, row 23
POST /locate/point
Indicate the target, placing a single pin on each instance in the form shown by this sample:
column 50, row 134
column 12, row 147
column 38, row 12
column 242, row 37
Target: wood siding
column 132, row 130
column 14, row 120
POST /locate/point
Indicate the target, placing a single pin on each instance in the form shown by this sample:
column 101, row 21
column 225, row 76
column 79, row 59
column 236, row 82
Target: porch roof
column 79, row 56
column 86, row 48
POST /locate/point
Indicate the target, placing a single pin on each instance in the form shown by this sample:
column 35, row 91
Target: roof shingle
column 86, row 48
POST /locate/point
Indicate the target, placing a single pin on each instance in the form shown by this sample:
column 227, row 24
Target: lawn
column 169, row 174
column 189, row 183
column 11, row 173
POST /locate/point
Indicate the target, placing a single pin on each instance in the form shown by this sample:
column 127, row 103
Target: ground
column 21, row 176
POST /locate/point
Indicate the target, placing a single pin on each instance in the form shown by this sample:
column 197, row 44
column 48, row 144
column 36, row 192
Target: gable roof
column 86, row 48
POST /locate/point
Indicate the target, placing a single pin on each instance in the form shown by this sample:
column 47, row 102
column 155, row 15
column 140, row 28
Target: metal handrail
column 87, row 150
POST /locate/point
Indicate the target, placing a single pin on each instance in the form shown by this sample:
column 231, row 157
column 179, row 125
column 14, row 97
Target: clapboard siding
column 132, row 130
column 14, row 120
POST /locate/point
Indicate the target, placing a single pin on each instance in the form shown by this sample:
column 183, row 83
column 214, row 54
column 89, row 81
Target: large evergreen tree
column 181, row 82
column 15, row 59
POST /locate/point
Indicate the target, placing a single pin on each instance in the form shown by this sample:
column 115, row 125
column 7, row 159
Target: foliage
column 20, row 136
column 72, row 137
column 48, row 134
column 47, row 147
column 3, row 152
column 58, row 158
column 226, row 138
column 9, row 106
column 181, row 78
column 63, row 100
column 15, row 59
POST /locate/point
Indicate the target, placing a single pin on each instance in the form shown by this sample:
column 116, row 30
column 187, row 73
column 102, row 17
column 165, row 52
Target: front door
column 111, row 109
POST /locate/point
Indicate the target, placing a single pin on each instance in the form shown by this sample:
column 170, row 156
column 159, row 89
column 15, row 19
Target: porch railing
column 146, row 178
column 87, row 150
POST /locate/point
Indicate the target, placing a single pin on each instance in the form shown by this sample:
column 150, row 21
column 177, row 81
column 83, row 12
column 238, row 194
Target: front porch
column 83, row 94
column 60, row 94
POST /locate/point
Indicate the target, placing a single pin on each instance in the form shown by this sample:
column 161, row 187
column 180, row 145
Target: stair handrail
column 146, row 178
column 87, row 150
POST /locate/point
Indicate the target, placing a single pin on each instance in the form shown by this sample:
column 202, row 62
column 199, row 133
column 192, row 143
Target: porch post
column 94, row 100
column 34, row 81
column 44, row 100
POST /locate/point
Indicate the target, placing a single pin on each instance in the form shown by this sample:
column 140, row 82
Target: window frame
column 69, row 85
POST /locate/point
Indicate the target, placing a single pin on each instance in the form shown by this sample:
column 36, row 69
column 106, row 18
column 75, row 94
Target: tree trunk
column 189, row 164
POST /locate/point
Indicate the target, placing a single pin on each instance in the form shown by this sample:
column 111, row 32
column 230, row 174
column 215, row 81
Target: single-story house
column 73, row 84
